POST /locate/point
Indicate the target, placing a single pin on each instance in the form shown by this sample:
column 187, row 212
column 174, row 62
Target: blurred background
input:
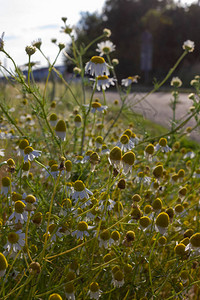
column 148, row 34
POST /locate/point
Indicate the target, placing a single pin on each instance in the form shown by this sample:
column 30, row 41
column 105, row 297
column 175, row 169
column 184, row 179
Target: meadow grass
column 96, row 201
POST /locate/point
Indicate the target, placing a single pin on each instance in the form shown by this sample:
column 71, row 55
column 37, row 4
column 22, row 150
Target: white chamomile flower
column 16, row 240
column 194, row 244
column 128, row 160
column 176, row 82
column 6, row 185
column 97, row 66
column 94, row 292
column 128, row 81
column 188, row 46
column 80, row 191
column 60, row 130
column 96, row 106
column 20, row 214
column 81, row 231
column 105, row 47
column 30, row 154
column 125, row 143
column 105, row 239
column 103, row 82
column 162, row 223
column 69, row 291
column 118, row 279
column 162, row 146
column 22, row 145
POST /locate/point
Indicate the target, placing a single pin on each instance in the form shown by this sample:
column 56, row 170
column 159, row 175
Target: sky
column 24, row 21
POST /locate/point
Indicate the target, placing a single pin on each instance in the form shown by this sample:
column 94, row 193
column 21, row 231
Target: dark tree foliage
column 169, row 23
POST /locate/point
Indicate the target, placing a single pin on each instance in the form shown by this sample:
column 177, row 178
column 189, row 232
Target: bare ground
column 156, row 107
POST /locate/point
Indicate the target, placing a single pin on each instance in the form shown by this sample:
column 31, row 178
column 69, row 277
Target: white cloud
column 24, row 21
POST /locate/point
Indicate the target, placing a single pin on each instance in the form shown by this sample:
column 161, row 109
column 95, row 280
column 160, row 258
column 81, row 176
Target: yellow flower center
column 115, row 235
column 55, row 297
column 96, row 104
column 106, row 49
column 195, row 240
column 82, row 226
column 119, row 276
column 97, row 60
column 26, row 166
column 124, row 139
column 163, row 142
column 179, row 249
column 28, row 150
column 54, row 168
column 23, row 144
column 157, row 204
column 6, row 181
column 3, row 262
column 99, row 140
column 78, row 119
column 13, row 237
column 162, row 240
column 16, row 196
column 53, row 117
column 68, row 165
column 19, row 207
column 130, row 236
column 79, row 186
column 30, row 199
column 61, row 126
column 145, row 222
column 105, row 235
column 149, row 149
column 94, row 287
column 10, row 162
column 162, row 220
column 116, row 153
column 52, row 228
column 129, row 158
column 103, row 77
column 69, row 288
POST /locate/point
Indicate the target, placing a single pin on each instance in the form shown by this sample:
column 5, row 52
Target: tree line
column 167, row 23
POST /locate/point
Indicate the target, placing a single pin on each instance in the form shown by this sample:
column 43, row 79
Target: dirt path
column 156, row 107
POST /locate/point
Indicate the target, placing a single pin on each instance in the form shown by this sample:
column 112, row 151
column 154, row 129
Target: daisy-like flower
column 19, row 215
column 69, row 291
column 105, row 239
column 80, row 191
column 176, row 82
column 188, row 46
column 94, row 292
column 3, row 265
column 60, row 130
column 162, row 146
column 162, row 222
column 97, row 66
column 128, row 160
column 68, row 168
column 106, row 202
column 96, row 106
column 125, row 143
column 118, row 279
column 115, row 157
column 81, row 231
column 144, row 223
column 103, row 82
column 6, row 185
column 53, row 119
column 105, row 47
column 78, row 121
column 131, row 79
column 30, row 154
column 194, row 243
column 16, row 240
column 22, row 145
